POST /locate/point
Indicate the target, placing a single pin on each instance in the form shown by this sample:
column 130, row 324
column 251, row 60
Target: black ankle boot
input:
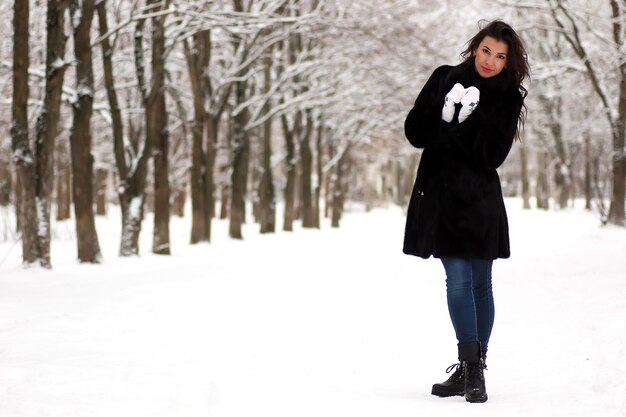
column 473, row 366
column 455, row 385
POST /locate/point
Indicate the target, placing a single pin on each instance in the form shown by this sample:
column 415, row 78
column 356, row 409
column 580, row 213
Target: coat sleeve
column 487, row 137
column 422, row 123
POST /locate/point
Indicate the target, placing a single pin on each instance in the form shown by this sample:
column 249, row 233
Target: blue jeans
column 470, row 298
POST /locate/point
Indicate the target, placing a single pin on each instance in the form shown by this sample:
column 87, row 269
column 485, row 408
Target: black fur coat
column 456, row 207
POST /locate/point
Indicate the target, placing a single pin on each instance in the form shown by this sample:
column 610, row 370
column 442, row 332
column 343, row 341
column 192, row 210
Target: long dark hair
column 517, row 59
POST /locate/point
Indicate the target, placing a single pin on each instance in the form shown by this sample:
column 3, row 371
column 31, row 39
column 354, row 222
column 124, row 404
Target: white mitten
column 469, row 101
column 454, row 96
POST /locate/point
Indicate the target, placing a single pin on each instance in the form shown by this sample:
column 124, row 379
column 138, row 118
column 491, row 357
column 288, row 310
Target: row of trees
column 259, row 61
column 579, row 100
column 259, row 101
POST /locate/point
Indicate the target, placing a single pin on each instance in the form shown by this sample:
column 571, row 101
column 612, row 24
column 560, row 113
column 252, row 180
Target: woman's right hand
column 470, row 100
column 453, row 97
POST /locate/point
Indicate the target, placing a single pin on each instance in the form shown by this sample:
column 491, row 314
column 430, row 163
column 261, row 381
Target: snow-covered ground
column 331, row 323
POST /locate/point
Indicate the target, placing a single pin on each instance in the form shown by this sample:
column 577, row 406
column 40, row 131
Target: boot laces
column 454, row 366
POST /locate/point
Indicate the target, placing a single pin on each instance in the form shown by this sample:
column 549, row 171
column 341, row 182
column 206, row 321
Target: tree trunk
column 47, row 123
column 297, row 212
column 239, row 176
column 157, row 120
column 22, row 155
column 562, row 180
column 197, row 59
column 338, row 188
column 198, row 199
column 588, row 166
column 290, row 183
column 132, row 206
column 562, row 171
column 18, row 204
column 131, row 190
column 240, row 146
column 225, row 202
column 524, row 174
column 205, row 178
column 116, row 115
column 212, row 126
column 616, row 213
column 5, row 183
column 267, row 200
column 328, row 185
column 598, row 189
column 542, row 189
column 617, row 209
column 401, row 173
column 63, row 190
column 618, row 170
column 318, row 185
column 80, row 136
column 306, row 171
column 224, row 168
column 407, row 183
column 254, row 172
column 178, row 205
column 156, row 127
column 102, row 176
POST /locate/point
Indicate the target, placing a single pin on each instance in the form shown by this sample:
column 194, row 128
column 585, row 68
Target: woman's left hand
column 469, row 101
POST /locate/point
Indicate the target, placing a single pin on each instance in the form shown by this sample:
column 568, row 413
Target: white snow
column 85, row 88
column 77, row 16
column 334, row 322
column 42, row 218
column 57, row 64
column 23, row 156
column 134, row 210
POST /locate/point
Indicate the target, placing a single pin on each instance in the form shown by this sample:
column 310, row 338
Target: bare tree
column 47, row 128
column 157, row 128
column 307, row 206
column 22, row 155
column 289, row 131
column 131, row 158
column 114, row 109
column 562, row 172
column 156, row 131
column 572, row 23
column 80, row 136
column 241, row 142
column 616, row 211
column 339, row 185
column 198, row 56
column 267, row 200
column 63, row 180
column 324, row 86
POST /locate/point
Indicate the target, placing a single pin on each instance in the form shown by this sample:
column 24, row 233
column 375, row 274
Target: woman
column 465, row 119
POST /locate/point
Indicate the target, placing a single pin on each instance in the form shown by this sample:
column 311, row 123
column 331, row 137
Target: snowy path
column 335, row 323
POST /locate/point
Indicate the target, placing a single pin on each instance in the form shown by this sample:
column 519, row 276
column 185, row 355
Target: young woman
column 466, row 118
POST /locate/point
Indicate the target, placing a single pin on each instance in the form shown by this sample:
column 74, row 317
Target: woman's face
column 490, row 57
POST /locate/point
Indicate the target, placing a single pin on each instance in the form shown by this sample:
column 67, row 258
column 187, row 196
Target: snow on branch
column 143, row 14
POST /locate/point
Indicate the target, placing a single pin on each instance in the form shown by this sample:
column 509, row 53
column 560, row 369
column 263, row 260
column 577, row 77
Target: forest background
column 288, row 108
